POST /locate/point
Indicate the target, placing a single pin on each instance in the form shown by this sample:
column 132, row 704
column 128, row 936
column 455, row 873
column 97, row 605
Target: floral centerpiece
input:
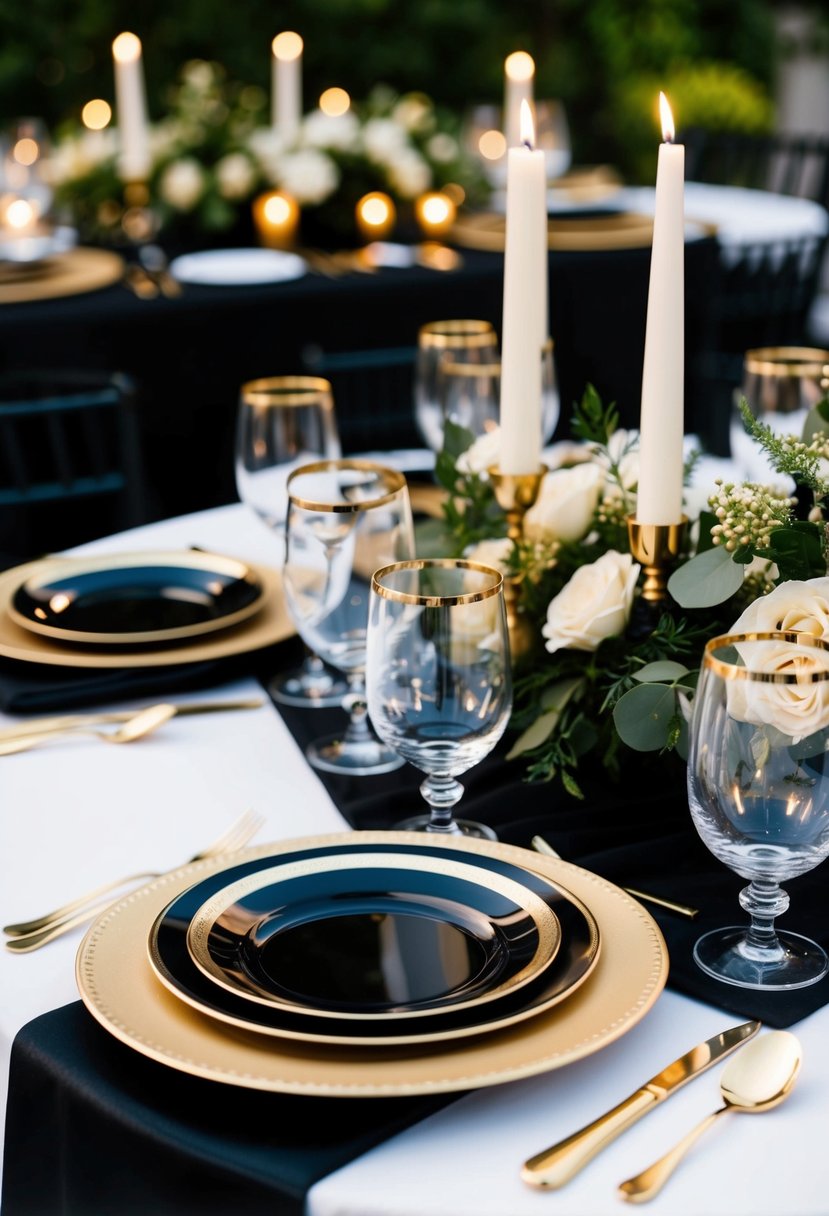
column 597, row 687
column 214, row 151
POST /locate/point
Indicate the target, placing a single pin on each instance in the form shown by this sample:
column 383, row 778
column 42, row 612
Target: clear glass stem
column 764, row 900
column 442, row 792
column 358, row 730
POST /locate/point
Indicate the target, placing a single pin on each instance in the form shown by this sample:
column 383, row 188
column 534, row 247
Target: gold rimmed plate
column 266, row 626
column 120, row 990
column 135, row 598
column 365, row 936
column 577, row 955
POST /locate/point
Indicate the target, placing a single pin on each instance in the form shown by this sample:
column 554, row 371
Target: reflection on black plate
column 385, row 935
column 174, row 965
column 131, row 598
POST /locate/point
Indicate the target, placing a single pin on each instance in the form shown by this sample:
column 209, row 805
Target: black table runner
column 94, row 1129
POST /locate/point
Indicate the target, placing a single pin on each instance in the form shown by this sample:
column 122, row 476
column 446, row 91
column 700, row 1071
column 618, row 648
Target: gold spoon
column 757, row 1078
column 141, row 724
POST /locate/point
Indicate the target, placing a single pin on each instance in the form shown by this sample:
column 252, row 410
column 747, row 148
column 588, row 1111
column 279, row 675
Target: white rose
column 793, row 605
column 482, row 454
column 235, row 176
column 413, row 112
column 442, row 148
column 310, row 176
column 594, row 605
column 409, row 173
column 493, row 553
column 182, row 184
column 566, row 504
column 339, row 131
column 382, row 138
column 797, row 709
column 268, row 148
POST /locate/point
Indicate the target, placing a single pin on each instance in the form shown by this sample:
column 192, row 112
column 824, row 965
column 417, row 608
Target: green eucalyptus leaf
column 535, row 734
column 707, row 579
column 643, row 716
column 558, row 694
column 456, row 439
column 664, row 669
column 432, row 538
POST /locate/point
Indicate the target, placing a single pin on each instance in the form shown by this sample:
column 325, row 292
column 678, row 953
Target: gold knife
column 37, row 726
column 556, row 1165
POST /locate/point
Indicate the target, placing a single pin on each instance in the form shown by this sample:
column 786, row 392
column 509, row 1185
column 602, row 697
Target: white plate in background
column 237, row 267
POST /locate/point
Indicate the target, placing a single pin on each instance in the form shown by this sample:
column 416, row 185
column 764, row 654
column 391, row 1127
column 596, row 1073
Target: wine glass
column 346, row 518
column 457, row 341
column 438, row 676
column 552, row 136
column 469, row 394
column 284, row 422
column 758, row 790
column 781, row 384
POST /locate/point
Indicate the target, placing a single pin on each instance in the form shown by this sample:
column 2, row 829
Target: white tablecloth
column 78, row 813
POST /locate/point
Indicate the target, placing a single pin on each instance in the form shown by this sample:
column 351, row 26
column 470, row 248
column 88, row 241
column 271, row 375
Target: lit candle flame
column 527, row 126
column 287, row 45
column 668, row 130
column 126, row 48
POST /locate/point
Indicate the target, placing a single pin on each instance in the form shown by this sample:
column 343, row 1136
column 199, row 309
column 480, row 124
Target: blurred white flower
column 494, row 553
column 80, row 155
column 414, row 112
column 182, row 184
column 482, row 454
column 623, row 451
column 383, row 138
column 341, row 132
column 164, row 137
column 309, row 175
column 268, row 148
column 442, row 148
column 409, row 174
column 235, row 176
column 198, row 74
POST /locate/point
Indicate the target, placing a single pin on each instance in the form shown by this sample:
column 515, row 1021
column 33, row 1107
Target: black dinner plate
column 388, row 935
column 131, row 598
column 174, row 965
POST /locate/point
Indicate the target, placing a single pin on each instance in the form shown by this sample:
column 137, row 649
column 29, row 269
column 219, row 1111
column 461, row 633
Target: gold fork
column 28, row 935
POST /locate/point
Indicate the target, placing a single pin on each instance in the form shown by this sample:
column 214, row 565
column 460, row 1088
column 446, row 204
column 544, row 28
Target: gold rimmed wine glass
column 441, row 342
column 758, row 791
column 282, row 423
column 781, row 384
column 438, row 678
column 469, row 394
column 346, row 518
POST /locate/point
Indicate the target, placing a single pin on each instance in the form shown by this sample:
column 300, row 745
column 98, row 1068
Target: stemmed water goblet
column 443, row 342
column 346, row 518
column 283, row 422
column 469, row 393
column 781, row 384
column 438, row 676
column 758, row 790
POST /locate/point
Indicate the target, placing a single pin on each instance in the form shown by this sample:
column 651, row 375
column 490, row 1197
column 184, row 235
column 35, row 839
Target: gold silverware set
column 29, row 935
column 760, row 1076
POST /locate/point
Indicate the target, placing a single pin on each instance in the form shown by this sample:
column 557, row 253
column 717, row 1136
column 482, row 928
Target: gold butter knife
column 38, row 726
column 554, row 1166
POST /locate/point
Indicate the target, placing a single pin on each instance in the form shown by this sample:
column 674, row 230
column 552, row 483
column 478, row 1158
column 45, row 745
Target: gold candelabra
column 515, row 493
column 656, row 547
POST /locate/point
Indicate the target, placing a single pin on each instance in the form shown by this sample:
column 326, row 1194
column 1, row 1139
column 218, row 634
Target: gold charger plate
column 626, row 230
column 119, row 989
column 65, row 274
column 269, row 625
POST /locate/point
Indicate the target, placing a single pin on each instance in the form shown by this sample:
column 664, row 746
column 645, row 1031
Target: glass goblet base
column 456, row 827
column 309, row 686
column 361, row 758
column 792, row 961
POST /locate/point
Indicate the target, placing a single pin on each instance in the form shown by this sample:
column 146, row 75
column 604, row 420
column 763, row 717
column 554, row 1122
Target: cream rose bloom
column 566, row 504
column 182, row 184
column 594, row 605
column 797, row 709
column 235, row 176
column 310, row 176
column 481, row 454
column 493, row 553
column 801, row 605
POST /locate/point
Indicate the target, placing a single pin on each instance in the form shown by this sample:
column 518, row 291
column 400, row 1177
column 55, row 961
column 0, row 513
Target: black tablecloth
column 93, row 1129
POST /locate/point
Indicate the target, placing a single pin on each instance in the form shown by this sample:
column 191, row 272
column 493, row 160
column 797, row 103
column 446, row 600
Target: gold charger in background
column 623, row 230
column 269, row 625
column 65, row 274
column 121, row 992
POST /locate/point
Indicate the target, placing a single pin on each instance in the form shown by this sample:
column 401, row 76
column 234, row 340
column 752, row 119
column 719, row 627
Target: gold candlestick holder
column 515, row 493
column 656, row 547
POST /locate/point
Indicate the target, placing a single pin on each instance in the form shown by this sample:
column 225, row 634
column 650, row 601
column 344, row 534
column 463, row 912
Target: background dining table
column 81, row 812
